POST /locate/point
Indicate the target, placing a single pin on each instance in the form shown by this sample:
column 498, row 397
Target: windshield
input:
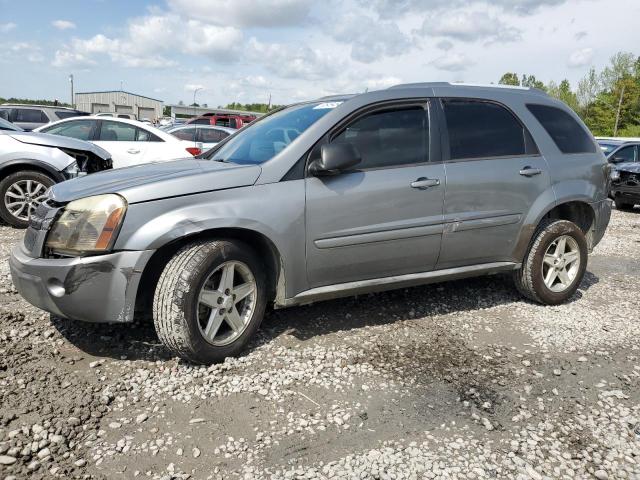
column 266, row 138
column 607, row 148
column 4, row 125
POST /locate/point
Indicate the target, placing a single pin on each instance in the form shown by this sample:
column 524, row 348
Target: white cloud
column 29, row 51
column 83, row 53
column 388, row 8
column 63, row 24
column 370, row 39
column 453, row 62
column 469, row 26
column 7, row 27
column 580, row 58
column 245, row 13
column 299, row 62
column 192, row 87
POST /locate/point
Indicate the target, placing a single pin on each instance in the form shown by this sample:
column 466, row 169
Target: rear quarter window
column 568, row 135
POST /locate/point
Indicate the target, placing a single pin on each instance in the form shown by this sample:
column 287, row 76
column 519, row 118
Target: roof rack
column 471, row 85
column 37, row 106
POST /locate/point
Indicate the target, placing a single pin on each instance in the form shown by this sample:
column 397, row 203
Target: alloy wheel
column 226, row 303
column 23, row 197
column 561, row 263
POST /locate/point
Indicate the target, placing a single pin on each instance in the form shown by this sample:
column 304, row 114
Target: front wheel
column 555, row 263
column 210, row 300
column 20, row 194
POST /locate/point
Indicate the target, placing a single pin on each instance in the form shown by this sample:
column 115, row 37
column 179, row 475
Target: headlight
column 72, row 170
column 88, row 225
column 615, row 174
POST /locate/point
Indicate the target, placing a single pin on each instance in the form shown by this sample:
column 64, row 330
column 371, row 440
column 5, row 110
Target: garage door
column 124, row 109
column 148, row 113
column 99, row 107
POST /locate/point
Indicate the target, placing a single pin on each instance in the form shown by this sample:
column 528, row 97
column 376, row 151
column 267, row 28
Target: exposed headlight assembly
column 89, row 225
column 615, row 174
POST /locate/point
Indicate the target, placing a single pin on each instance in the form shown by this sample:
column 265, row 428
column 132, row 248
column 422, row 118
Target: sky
column 246, row 50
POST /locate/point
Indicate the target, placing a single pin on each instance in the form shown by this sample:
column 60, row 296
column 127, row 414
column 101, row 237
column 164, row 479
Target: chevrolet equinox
column 344, row 195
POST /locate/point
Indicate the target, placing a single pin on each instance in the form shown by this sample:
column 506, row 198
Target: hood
column 152, row 181
column 633, row 167
column 58, row 141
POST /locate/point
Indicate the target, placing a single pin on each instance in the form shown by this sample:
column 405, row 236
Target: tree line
column 608, row 101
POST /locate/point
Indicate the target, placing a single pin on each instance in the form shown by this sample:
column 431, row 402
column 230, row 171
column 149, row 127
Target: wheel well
column 17, row 167
column 260, row 243
column 579, row 213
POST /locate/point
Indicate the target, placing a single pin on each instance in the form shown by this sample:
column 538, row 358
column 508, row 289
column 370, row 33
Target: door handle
column 133, row 150
column 530, row 172
column 423, row 183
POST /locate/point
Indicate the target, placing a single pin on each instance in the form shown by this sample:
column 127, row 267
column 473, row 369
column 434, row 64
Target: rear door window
column 62, row 114
column 143, row 135
column 117, row 132
column 481, row 129
column 188, row 134
column 29, row 115
column 568, row 135
column 210, row 135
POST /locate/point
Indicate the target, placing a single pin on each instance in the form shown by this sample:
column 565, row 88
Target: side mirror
column 335, row 157
column 616, row 159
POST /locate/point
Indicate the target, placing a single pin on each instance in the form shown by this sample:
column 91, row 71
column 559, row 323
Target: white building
column 119, row 102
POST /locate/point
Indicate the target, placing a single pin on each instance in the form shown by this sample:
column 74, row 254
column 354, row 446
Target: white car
column 200, row 136
column 128, row 141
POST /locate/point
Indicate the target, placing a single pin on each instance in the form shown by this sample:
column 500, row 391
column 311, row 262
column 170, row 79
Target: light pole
column 71, row 82
column 194, row 100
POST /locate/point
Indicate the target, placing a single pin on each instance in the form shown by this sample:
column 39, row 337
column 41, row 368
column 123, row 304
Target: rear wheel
column 210, row 300
column 555, row 263
column 20, row 194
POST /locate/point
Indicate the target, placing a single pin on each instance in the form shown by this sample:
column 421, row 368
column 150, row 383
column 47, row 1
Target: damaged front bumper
column 100, row 288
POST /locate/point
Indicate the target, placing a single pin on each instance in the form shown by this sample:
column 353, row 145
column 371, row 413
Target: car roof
column 31, row 105
column 156, row 131
column 183, row 126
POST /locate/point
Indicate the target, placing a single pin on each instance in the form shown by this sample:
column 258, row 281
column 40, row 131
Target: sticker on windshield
column 326, row 105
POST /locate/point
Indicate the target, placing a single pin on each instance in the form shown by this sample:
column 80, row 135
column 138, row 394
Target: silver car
column 415, row 184
column 30, row 117
column 31, row 162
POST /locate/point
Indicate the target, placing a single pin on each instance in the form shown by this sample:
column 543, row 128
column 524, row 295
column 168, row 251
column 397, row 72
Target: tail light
column 194, row 150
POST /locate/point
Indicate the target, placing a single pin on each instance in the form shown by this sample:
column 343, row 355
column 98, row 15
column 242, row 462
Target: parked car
column 6, row 125
column 128, row 141
column 30, row 117
column 625, row 184
column 410, row 185
column 31, row 162
column 130, row 116
column 201, row 137
column 230, row 121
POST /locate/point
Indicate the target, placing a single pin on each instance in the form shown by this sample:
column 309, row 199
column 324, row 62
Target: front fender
column 275, row 211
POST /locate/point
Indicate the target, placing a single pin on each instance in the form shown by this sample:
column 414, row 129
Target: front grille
column 40, row 222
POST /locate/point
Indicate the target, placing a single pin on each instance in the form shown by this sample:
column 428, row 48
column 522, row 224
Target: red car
column 230, row 121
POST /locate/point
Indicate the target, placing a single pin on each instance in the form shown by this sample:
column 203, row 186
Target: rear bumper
column 602, row 211
column 94, row 289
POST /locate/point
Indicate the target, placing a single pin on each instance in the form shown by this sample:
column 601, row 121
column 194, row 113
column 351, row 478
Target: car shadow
column 138, row 340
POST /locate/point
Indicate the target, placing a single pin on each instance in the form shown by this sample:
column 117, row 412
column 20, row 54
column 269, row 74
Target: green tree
column 564, row 93
column 509, row 78
column 532, row 82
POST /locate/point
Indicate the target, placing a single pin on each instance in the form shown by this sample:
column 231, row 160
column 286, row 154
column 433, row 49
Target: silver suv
column 340, row 196
column 30, row 117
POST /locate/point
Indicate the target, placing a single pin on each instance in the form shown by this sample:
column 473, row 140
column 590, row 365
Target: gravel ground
column 457, row 380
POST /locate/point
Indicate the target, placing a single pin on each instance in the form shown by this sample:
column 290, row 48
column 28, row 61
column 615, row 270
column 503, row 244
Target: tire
column 622, row 205
column 8, row 188
column 180, row 317
column 530, row 280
